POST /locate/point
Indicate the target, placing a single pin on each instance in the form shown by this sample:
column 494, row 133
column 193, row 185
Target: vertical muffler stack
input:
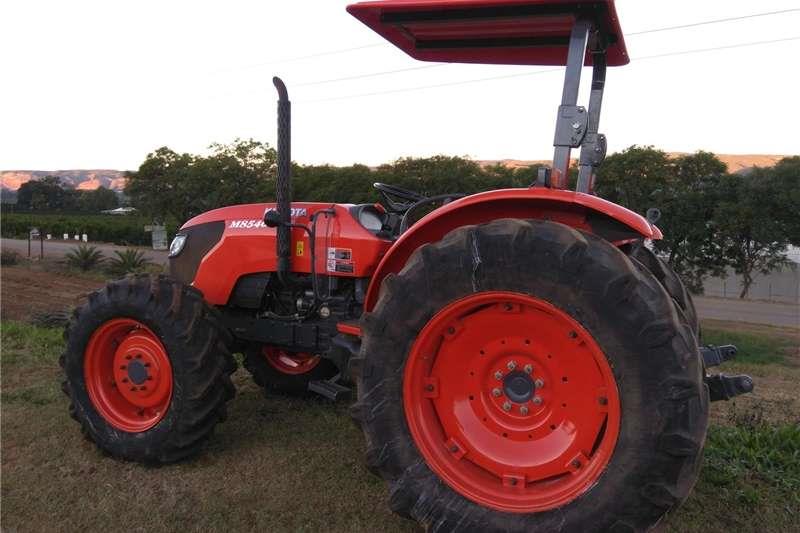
column 283, row 183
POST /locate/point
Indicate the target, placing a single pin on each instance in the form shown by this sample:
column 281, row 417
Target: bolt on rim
column 511, row 402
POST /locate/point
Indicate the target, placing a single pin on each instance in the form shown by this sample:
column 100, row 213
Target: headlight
column 177, row 245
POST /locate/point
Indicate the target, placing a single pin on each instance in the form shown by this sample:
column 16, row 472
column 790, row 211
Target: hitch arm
column 722, row 386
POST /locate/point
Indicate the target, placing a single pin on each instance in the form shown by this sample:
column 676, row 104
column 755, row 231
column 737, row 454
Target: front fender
column 578, row 210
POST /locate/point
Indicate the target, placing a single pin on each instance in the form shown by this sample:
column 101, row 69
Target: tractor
column 519, row 359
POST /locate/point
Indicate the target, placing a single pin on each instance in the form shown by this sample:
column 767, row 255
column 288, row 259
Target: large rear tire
column 669, row 279
column 457, row 345
column 147, row 369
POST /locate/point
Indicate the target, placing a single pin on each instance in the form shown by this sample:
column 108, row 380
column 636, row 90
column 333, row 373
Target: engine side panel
column 343, row 247
column 581, row 211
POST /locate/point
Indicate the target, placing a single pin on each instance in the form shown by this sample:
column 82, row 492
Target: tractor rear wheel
column 669, row 279
column 525, row 376
column 147, row 369
column 286, row 372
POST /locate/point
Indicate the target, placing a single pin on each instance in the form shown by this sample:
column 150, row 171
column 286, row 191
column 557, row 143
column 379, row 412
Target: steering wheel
column 389, row 192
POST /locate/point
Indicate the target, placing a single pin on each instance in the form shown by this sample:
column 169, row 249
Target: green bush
column 84, row 257
column 123, row 230
column 9, row 257
column 128, row 261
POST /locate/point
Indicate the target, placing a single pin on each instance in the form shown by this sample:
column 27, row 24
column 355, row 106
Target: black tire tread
column 180, row 310
column 680, row 401
column 669, row 279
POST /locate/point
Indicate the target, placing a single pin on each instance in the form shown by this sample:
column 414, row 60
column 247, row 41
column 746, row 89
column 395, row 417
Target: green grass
column 754, row 348
column 280, row 464
column 771, row 452
column 26, row 344
column 750, row 480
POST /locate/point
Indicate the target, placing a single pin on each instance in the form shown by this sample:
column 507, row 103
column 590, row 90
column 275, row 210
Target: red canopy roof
column 515, row 32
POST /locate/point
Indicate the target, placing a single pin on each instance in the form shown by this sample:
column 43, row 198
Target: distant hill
column 11, row 180
column 80, row 179
column 736, row 163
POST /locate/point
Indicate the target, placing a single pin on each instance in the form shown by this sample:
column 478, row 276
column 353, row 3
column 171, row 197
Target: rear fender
column 582, row 211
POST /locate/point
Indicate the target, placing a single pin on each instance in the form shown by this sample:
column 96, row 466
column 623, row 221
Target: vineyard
column 122, row 230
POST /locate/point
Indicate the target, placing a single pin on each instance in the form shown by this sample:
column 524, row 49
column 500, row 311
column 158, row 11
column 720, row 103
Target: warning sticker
column 340, row 260
column 299, row 248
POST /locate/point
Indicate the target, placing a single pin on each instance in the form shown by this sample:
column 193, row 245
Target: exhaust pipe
column 283, row 183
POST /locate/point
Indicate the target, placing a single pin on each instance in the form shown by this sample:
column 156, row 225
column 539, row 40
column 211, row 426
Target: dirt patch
column 28, row 290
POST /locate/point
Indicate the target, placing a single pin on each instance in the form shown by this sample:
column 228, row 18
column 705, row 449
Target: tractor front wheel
column 147, row 369
column 525, row 376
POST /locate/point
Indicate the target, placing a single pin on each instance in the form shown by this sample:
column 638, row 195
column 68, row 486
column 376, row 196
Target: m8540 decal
column 254, row 223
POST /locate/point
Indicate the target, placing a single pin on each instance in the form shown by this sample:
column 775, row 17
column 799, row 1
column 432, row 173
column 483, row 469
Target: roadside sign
column 160, row 238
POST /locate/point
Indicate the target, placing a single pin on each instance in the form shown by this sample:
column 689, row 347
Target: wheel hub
column 518, row 387
column 502, row 394
column 137, row 372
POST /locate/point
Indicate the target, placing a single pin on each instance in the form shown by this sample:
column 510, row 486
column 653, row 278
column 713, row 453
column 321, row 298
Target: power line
column 310, row 56
column 369, row 75
column 715, row 21
column 643, row 32
column 523, row 74
column 383, row 44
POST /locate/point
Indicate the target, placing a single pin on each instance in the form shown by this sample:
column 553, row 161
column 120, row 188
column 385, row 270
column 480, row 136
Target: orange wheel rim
column 292, row 363
column 128, row 375
column 511, row 402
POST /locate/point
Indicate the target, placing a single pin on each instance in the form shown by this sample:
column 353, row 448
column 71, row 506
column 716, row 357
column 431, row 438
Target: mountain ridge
column 90, row 179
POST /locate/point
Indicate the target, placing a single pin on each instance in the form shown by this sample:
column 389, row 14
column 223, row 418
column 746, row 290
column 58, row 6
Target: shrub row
column 124, row 230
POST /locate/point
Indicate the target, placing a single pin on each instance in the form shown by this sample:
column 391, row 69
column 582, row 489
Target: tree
column 687, row 201
column 181, row 186
column 751, row 230
column 633, row 177
column 46, row 194
column 99, row 199
column 784, row 178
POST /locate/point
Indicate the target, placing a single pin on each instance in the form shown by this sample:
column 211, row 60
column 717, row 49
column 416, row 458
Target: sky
column 99, row 84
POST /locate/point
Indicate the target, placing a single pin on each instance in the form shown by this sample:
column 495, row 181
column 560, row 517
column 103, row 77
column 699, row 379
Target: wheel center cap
column 137, row 373
column 518, row 387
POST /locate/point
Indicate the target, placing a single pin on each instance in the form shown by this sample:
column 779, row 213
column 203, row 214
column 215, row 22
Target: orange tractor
column 522, row 361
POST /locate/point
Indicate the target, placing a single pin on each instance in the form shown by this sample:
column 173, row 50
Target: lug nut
column 537, row 400
column 507, row 406
column 523, row 410
column 496, row 392
column 528, row 368
column 539, row 383
column 512, row 365
column 498, row 375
